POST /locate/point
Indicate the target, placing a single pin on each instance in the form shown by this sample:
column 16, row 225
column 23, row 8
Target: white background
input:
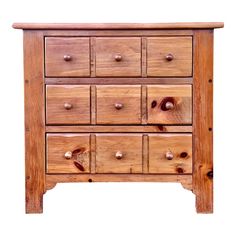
column 108, row 208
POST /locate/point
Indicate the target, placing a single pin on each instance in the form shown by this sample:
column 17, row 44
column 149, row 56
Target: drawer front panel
column 169, row 104
column 118, row 153
column 119, row 104
column 67, row 56
column 67, row 104
column 169, row 56
column 68, row 153
column 170, row 153
column 118, row 57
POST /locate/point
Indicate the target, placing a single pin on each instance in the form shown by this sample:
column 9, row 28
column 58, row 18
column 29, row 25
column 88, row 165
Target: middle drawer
column 118, row 104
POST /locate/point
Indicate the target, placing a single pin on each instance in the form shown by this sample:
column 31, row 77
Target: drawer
column 68, row 153
column 118, row 57
column 170, row 153
column 118, row 153
column 169, row 56
column 67, row 56
column 67, row 104
column 118, row 104
column 169, row 104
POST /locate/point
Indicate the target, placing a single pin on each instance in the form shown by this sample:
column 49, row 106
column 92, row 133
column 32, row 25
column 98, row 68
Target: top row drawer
column 118, row 56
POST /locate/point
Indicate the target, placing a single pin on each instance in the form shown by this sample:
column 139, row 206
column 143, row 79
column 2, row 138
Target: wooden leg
column 203, row 120
column 33, row 202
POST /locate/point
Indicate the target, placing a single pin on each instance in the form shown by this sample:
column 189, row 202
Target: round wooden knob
column 118, row 106
column 67, row 58
column 68, row 106
column 169, row 155
column 169, row 57
column 119, row 155
column 169, row 105
column 68, row 155
column 118, row 57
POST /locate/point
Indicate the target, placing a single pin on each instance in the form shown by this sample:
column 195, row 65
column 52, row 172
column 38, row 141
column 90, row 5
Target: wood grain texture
column 203, row 120
column 179, row 95
column 121, row 81
column 34, row 121
column 117, row 33
column 174, row 25
column 181, row 50
column 130, row 146
column 121, row 128
column 78, row 96
column 52, row 180
column 77, row 48
column 128, row 96
column 180, row 145
column 59, row 144
column 129, row 49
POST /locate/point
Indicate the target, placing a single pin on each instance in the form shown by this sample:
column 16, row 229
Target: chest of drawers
column 118, row 102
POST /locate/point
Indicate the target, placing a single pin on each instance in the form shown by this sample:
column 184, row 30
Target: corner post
column 34, row 121
column 203, row 120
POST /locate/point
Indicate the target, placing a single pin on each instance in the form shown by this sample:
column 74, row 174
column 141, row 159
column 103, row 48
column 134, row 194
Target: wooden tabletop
column 78, row 26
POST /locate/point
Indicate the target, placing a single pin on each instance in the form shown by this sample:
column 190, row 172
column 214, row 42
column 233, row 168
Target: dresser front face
column 118, row 105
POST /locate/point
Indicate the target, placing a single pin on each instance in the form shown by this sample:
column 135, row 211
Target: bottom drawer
column 170, row 153
column 68, row 153
column 120, row 153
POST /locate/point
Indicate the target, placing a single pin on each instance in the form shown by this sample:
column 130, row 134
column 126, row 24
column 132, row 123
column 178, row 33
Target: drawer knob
column 169, row 105
column 169, row 155
column 118, row 57
column 68, row 106
column 119, row 155
column 67, row 58
column 68, row 155
column 169, row 57
column 118, row 106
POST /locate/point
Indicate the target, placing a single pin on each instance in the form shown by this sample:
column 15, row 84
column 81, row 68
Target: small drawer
column 170, row 153
column 169, row 56
column 169, row 104
column 118, row 104
column 67, row 57
column 68, row 153
column 118, row 57
column 118, row 153
column 67, row 104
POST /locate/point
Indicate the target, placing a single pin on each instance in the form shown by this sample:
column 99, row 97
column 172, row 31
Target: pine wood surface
column 119, row 102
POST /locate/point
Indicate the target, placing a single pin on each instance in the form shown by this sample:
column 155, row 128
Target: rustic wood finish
column 129, row 99
column 76, row 97
column 121, row 128
column 59, row 144
column 180, row 145
column 122, row 81
column 130, row 147
column 181, row 98
column 77, row 49
column 179, row 48
column 34, row 121
column 109, row 49
column 52, row 180
column 203, row 120
column 102, row 26
column 119, row 102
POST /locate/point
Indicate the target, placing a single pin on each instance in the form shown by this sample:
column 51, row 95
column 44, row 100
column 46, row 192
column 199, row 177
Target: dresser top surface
column 122, row 26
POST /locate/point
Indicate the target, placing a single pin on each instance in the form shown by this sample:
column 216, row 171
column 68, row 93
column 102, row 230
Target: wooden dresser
column 118, row 103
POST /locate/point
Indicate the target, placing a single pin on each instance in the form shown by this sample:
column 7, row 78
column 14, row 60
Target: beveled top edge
column 100, row 26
